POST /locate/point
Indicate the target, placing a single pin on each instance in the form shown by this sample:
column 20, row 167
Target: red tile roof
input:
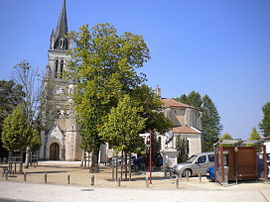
column 267, row 138
column 185, row 129
column 174, row 103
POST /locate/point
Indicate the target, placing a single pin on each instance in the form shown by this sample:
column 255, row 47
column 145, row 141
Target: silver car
column 196, row 164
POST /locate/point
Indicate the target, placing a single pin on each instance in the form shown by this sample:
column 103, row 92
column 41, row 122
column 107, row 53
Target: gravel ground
column 49, row 192
column 162, row 189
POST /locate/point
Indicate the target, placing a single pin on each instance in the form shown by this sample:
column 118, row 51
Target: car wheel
column 187, row 173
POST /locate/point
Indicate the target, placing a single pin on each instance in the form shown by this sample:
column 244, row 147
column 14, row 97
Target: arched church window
column 56, row 68
column 61, row 68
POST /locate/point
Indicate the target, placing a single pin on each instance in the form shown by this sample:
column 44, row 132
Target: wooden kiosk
column 237, row 160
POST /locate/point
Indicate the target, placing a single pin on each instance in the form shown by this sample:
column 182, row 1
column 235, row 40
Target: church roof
column 185, row 130
column 61, row 30
column 173, row 103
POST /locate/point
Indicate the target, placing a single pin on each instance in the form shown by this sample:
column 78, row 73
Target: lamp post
column 148, row 142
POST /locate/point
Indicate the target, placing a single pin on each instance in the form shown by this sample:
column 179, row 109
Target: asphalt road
column 10, row 191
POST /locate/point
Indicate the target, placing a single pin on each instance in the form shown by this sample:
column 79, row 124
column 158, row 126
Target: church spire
column 60, row 40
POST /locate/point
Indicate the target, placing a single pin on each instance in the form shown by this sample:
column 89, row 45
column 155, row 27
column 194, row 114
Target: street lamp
column 149, row 146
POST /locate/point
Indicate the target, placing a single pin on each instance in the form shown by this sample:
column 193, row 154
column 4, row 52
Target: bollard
column 93, row 180
column 146, row 182
column 6, row 175
column 200, row 177
column 187, row 177
column 24, row 176
column 177, row 182
column 68, row 178
column 45, row 178
column 113, row 172
column 118, row 182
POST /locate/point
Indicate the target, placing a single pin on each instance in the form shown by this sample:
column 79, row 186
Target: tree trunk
column 116, row 169
column 121, row 162
column 27, row 157
column 94, row 164
column 126, row 166
column 129, row 165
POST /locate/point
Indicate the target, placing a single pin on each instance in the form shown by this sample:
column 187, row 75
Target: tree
column 103, row 64
column 15, row 131
column 182, row 147
column 193, row 99
column 211, row 126
column 10, row 96
column 254, row 135
column 226, row 136
column 210, row 123
column 121, row 130
column 30, row 80
column 152, row 108
column 155, row 119
column 265, row 123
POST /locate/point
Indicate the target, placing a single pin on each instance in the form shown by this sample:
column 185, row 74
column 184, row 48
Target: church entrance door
column 54, row 151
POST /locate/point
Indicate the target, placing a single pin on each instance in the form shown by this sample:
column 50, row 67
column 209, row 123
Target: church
column 60, row 138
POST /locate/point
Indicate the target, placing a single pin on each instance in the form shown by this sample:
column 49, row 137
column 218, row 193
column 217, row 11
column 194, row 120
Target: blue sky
column 215, row 47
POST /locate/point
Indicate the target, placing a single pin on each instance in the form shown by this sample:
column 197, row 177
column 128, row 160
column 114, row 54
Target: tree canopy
column 16, row 129
column 11, row 95
column 152, row 107
column 265, row 123
column 121, row 130
column 103, row 65
column 210, row 123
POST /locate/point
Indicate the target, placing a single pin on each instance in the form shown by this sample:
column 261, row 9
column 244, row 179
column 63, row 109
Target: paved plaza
column 80, row 188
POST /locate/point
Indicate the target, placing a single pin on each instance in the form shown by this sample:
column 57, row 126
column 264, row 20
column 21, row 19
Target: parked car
column 211, row 170
column 196, row 164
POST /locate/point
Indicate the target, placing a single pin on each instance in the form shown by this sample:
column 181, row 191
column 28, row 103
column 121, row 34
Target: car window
column 211, row 158
column 202, row 159
column 191, row 159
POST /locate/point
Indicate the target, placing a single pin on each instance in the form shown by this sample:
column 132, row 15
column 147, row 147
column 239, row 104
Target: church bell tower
column 60, row 138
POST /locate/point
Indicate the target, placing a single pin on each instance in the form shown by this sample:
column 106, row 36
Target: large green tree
column 193, row 99
column 210, row 123
column 265, row 123
column 210, row 118
column 10, row 96
column 103, row 64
